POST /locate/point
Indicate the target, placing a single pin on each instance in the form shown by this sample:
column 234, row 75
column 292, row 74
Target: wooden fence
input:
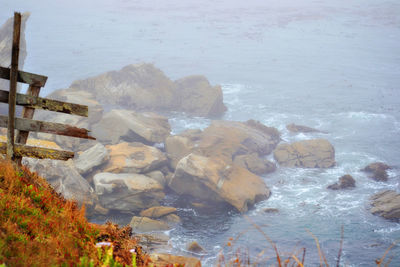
column 16, row 147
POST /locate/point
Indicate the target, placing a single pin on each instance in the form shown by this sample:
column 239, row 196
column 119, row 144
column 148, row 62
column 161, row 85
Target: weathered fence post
column 15, row 148
column 13, row 85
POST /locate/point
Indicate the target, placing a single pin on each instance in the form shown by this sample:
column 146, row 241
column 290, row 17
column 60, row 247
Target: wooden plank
column 47, row 127
column 27, row 113
column 38, row 152
column 46, row 104
column 13, row 85
column 24, row 77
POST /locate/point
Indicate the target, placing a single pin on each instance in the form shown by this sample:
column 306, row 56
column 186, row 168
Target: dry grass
column 239, row 259
column 38, row 227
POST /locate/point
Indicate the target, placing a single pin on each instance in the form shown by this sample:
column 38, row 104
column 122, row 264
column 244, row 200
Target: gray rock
column 88, row 160
column 386, row 204
column 65, row 179
column 127, row 192
column 317, row 153
column 124, row 125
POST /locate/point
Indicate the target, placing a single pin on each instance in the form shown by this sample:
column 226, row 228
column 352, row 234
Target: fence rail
column 16, row 148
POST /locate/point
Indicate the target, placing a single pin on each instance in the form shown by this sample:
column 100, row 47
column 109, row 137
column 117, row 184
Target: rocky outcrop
column 134, row 158
column 225, row 140
column 144, row 87
column 317, row 153
column 65, row 179
column 123, row 125
column 211, row 179
column 144, row 224
column 345, row 182
column 377, row 171
column 386, row 204
column 89, row 159
column 294, row 128
column 127, row 192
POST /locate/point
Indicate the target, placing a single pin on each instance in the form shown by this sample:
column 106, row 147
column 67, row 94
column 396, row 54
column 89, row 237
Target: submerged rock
column 377, row 171
column 317, row 153
column 120, row 125
column 346, row 181
column 127, row 192
column 294, row 128
column 195, row 247
column 386, row 204
column 211, row 179
column 271, row 210
column 134, row 158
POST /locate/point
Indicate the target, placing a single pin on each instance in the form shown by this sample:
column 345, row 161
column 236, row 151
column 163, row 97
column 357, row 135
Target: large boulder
column 198, row 97
column 211, row 179
column 65, row 179
column 127, row 192
column 134, row 158
column 144, row 87
column 386, row 204
column 130, row 126
column 92, row 158
column 227, row 139
column 316, row 153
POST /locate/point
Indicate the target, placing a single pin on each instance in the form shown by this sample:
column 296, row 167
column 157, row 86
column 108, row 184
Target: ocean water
column 331, row 65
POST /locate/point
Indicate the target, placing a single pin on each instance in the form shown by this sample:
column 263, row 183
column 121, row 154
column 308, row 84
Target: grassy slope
column 38, row 227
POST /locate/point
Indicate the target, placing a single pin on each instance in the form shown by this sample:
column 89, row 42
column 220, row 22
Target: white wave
column 388, row 230
column 363, row 115
column 229, row 88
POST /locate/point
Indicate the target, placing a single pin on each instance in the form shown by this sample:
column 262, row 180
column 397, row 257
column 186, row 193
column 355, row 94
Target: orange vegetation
column 38, row 227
